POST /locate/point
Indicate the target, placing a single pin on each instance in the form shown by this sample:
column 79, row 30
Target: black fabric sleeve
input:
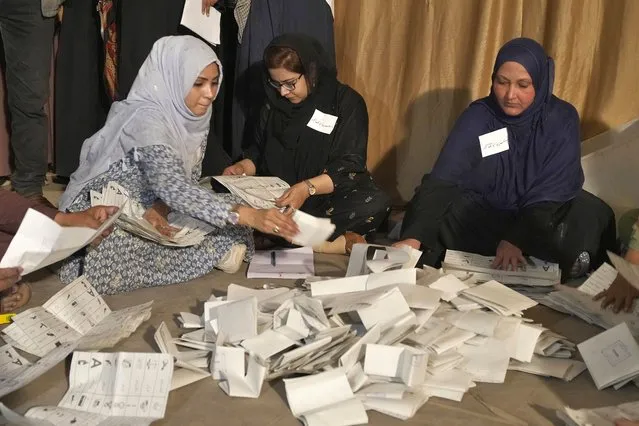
column 350, row 143
column 426, row 210
column 535, row 222
column 255, row 151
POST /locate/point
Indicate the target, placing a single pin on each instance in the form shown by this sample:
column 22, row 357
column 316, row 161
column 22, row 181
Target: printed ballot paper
column 77, row 313
column 612, row 357
column 40, row 241
column 107, row 389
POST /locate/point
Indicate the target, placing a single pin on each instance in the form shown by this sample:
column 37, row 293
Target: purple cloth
column 543, row 162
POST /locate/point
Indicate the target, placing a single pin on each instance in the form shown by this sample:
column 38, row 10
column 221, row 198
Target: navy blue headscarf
column 543, row 162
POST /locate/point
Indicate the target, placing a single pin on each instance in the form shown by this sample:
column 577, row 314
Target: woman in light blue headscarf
column 152, row 144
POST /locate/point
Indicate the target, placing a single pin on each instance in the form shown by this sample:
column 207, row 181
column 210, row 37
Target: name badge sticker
column 494, row 142
column 322, row 122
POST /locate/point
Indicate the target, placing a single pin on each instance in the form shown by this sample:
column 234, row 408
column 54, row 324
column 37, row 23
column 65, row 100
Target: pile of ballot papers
column 536, row 277
column 190, row 231
column 384, row 341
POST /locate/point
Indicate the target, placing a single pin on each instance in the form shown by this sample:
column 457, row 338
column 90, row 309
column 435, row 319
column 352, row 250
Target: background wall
column 419, row 63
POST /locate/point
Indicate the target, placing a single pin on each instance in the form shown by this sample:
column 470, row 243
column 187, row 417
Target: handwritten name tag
column 494, row 142
column 321, row 122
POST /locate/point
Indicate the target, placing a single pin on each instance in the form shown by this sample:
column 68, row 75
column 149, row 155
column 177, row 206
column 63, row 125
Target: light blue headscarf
column 154, row 113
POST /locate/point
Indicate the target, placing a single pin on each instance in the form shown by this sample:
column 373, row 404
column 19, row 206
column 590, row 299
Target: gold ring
column 276, row 229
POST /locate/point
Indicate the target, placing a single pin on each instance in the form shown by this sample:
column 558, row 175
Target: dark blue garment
column 543, row 162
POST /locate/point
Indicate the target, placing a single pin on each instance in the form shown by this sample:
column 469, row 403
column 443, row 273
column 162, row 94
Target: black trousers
column 456, row 220
column 27, row 38
column 358, row 206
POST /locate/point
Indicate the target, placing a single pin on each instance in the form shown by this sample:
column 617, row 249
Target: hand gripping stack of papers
column 579, row 302
column 191, row 231
column 260, row 192
column 536, row 273
column 76, row 314
column 385, row 341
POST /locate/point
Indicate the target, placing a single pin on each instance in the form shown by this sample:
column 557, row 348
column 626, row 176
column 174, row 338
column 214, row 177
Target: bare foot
column 14, row 298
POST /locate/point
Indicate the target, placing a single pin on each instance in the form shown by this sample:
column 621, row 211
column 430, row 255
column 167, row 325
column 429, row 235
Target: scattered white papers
column 207, row 27
column 324, row 399
column 499, row 298
column 189, row 320
column 228, row 366
column 41, row 242
column 191, row 231
column 398, row 363
column 612, row 356
column 267, row 344
column 185, row 372
column 450, row 286
column 527, row 337
column 77, row 313
column 564, row 369
column 288, row 264
column 535, row 273
column 452, row 384
column 13, row 376
column 402, row 409
column 238, row 320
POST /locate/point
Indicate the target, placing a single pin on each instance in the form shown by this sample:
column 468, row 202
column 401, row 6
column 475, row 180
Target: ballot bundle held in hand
column 190, row 231
column 385, row 341
column 535, row 274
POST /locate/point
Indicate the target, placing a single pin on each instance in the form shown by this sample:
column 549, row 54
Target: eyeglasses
column 288, row 85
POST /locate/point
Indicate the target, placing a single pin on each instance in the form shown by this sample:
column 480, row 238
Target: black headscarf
column 288, row 121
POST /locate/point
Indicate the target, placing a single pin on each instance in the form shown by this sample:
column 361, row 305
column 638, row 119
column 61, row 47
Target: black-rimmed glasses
column 288, row 84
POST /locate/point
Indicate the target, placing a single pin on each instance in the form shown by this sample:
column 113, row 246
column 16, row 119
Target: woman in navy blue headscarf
column 508, row 180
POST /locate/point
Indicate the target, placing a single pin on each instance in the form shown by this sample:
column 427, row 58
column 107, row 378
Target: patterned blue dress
column 123, row 261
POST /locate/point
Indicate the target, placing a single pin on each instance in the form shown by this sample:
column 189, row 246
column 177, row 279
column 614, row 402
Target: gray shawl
column 154, row 113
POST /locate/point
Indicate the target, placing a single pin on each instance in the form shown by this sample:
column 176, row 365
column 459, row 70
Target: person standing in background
column 27, row 27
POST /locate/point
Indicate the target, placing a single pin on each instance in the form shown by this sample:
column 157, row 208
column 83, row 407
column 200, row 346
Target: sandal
column 14, row 298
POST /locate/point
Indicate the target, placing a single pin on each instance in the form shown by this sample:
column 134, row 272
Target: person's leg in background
column 28, row 43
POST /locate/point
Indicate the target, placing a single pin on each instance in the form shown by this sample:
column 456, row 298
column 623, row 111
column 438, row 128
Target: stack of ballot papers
column 290, row 264
column 40, row 241
column 612, row 357
column 602, row 416
column 536, row 273
column 579, row 301
column 385, row 341
column 191, row 231
column 95, row 396
column 76, row 314
column 260, row 192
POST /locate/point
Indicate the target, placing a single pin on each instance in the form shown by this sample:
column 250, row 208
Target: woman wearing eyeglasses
column 313, row 133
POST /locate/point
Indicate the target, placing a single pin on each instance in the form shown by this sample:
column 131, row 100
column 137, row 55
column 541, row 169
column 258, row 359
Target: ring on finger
column 276, row 229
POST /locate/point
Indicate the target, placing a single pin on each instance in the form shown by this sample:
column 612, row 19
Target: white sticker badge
column 494, row 142
column 321, row 122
